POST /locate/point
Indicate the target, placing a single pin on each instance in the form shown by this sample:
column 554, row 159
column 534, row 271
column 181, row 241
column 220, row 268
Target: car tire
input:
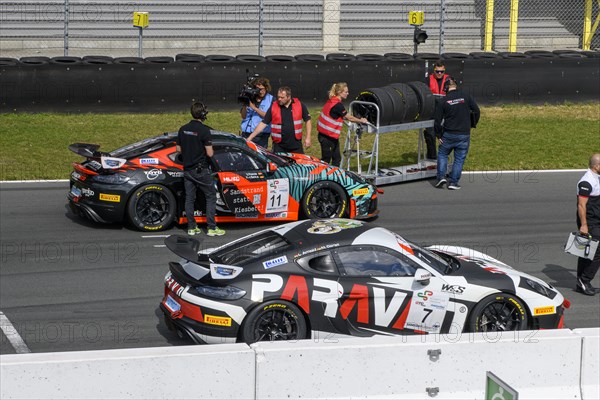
column 325, row 199
column 151, row 208
column 274, row 320
column 425, row 98
column 486, row 317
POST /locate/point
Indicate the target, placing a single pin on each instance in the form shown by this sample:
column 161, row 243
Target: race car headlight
column 113, row 179
column 538, row 288
column 221, row 292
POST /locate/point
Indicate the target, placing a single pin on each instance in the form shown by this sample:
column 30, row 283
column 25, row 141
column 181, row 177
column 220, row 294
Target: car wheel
column 498, row 312
column 325, row 200
column 274, row 320
column 151, row 208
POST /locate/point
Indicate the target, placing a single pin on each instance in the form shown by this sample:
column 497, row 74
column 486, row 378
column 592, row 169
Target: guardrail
column 537, row 364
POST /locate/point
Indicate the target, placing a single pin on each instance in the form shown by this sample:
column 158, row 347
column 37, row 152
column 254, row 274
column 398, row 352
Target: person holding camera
column 286, row 116
column 330, row 122
column 459, row 114
column 194, row 141
column 588, row 221
column 259, row 101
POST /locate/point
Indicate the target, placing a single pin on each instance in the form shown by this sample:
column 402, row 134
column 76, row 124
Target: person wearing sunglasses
column 436, row 82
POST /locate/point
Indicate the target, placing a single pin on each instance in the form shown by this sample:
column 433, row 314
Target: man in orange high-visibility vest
column 285, row 117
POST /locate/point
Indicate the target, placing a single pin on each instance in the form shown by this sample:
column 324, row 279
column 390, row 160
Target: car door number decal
column 427, row 311
column 279, row 194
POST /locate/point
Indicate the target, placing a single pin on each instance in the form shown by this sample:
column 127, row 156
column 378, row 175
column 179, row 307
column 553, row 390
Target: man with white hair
column 588, row 221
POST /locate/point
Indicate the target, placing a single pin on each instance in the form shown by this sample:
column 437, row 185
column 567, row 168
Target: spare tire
column 572, row 55
column 219, row 58
column 484, row 54
column 250, row 58
column 8, row 61
column 369, row 57
column 398, row 56
column 280, row 58
column 425, row 98
column 34, row 60
column 387, row 106
column 65, row 60
column 310, row 57
column 565, row 51
column 427, row 56
column 129, row 60
column 340, row 57
column 455, row 56
column 97, row 60
column 409, row 100
column 540, row 54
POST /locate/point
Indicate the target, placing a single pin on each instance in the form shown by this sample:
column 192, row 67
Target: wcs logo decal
column 456, row 289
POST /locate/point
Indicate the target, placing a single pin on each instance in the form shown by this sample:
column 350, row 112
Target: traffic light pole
column 416, row 44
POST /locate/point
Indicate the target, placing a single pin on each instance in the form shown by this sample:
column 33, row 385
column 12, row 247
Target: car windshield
column 250, row 249
column 439, row 263
column 277, row 159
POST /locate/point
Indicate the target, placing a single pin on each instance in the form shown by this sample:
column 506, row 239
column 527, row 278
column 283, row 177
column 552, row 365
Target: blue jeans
column 460, row 145
column 193, row 180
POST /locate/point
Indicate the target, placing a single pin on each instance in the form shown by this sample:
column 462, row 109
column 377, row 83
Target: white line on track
column 464, row 172
column 154, row 236
column 12, row 335
column 160, row 245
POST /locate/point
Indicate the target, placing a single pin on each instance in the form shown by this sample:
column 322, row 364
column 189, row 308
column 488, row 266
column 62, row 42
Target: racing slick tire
column 151, row 208
column 274, row 320
column 498, row 312
column 325, row 199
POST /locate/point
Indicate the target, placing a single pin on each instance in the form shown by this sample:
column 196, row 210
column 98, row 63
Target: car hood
column 480, row 268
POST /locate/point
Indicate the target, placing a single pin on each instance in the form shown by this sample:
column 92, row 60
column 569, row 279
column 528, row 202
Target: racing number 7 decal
column 428, row 313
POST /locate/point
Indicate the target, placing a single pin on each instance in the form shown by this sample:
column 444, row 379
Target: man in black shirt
column 588, row 221
column 459, row 113
column 195, row 144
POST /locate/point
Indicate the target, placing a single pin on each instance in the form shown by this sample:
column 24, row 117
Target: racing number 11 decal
column 279, row 194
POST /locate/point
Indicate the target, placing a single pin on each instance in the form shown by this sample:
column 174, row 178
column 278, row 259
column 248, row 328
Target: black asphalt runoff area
column 67, row 284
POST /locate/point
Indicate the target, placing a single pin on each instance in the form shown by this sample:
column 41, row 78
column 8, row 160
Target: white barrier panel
column 208, row 372
column 590, row 363
column 537, row 364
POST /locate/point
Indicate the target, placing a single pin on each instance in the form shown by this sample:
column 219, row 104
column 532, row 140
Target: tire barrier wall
column 161, row 84
column 537, row 364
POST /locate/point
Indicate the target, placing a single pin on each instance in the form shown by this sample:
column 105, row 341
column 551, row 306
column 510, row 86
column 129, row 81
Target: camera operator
column 258, row 102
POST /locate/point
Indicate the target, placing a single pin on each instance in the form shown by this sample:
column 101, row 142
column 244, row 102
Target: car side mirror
column 422, row 276
column 271, row 167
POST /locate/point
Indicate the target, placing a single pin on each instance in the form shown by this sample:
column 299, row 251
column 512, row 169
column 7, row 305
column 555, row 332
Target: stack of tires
column 398, row 103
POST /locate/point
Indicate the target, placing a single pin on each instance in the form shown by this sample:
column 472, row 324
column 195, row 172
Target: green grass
column 34, row 146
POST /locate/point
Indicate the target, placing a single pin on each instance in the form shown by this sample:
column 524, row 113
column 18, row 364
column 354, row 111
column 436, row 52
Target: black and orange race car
column 142, row 183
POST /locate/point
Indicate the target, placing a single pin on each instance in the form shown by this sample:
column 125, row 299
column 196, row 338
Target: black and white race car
column 324, row 278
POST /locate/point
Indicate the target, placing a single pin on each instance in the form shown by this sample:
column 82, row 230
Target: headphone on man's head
column 449, row 81
column 199, row 110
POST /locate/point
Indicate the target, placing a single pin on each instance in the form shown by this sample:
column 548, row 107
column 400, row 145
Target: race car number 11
column 279, row 194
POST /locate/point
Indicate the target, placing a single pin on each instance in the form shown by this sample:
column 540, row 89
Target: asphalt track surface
column 67, row 284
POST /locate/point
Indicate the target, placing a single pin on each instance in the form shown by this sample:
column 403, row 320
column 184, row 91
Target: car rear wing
column 86, row 150
column 186, row 247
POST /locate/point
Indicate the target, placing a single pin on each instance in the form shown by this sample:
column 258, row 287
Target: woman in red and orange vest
column 286, row 116
column 331, row 121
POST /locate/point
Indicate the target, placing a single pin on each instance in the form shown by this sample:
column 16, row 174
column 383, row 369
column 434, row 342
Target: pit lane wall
column 553, row 364
column 172, row 87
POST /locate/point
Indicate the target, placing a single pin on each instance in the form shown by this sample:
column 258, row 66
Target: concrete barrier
column 189, row 372
column 590, row 363
column 551, row 364
column 538, row 364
